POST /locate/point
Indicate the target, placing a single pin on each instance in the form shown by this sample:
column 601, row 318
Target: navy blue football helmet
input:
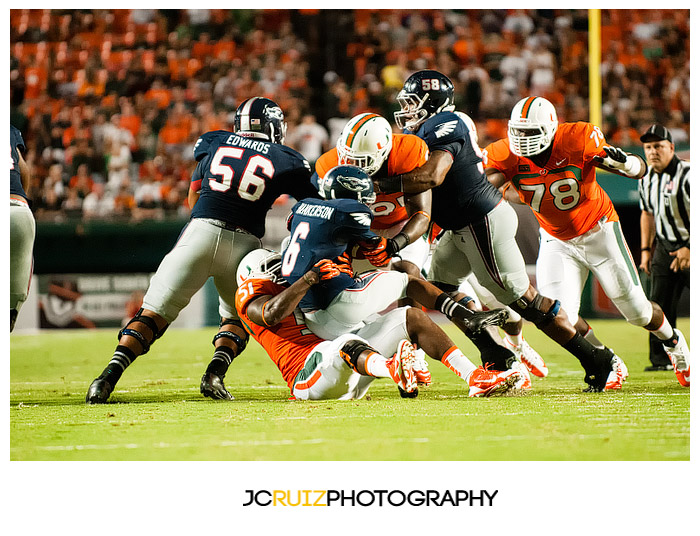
column 347, row 182
column 262, row 118
column 423, row 95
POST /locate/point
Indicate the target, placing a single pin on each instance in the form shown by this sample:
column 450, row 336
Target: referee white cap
column 656, row 133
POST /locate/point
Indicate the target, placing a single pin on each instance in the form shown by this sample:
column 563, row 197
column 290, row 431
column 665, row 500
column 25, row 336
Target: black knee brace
column 149, row 323
column 531, row 310
column 241, row 342
column 351, row 351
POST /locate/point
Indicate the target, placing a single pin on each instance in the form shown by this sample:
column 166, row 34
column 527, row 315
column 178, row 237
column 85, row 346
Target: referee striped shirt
column 667, row 196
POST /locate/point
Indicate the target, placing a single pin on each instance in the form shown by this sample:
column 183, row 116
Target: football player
column 238, row 177
column 402, row 222
column 22, row 226
column 344, row 366
column 327, row 229
column 480, row 226
column 551, row 167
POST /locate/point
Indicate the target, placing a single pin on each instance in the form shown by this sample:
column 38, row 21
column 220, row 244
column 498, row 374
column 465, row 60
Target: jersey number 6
column 251, row 186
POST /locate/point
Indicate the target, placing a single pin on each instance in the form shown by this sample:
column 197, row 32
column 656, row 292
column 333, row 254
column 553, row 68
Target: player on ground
column 402, row 222
column 345, row 366
column 327, row 229
column 22, row 226
column 237, row 179
column 479, row 225
column 551, row 166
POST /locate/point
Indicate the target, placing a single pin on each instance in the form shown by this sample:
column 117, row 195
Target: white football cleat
column 401, row 368
column 680, row 358
column 617, row 375
column 529, row 356
column 420, row 368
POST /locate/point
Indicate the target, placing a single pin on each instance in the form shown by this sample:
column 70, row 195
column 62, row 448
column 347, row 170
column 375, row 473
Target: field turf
column 157, row 412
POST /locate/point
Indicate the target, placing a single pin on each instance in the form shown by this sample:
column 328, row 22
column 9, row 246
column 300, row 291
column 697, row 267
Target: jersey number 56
column 250, row 186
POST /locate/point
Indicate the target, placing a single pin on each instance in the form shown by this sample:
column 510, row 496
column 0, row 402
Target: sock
column 583, row 350
column 515, row 340
column 446, row 305
column 376, row 365
column 458, row 363
column 122, row 358
column 590, row 337
column 665, row 333
column 221, row 361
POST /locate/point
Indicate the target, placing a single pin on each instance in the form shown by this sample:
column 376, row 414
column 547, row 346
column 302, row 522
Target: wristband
column 400, row 241
column 646, row 249
column 390, row 185
column 633, row 166
column 306, row 279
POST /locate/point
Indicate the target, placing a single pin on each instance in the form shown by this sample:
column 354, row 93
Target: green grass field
column 157, row 413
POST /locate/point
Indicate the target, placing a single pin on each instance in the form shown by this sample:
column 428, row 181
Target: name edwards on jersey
column 262, row 147
column 239, row 178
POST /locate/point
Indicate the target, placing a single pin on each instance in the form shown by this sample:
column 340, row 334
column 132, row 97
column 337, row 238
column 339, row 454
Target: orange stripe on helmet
column 526, row 107
column 357, row 127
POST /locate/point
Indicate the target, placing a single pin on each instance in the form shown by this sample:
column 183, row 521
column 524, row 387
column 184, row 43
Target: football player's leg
column 232, row 338
column 22, row 233
column 373, row 293
column 181, row 273
column 332, row 368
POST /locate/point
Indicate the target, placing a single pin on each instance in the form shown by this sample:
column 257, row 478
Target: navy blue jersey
column 466, row 195
column 239, row 178
column 16, row 145
column 324, row 229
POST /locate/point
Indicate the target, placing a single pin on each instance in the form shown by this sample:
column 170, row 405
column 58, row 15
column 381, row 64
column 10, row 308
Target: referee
column 665, row 203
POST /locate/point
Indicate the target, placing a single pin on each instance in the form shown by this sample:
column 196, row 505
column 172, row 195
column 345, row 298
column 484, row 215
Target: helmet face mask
column 261, row 118
column 347, row 182
column 365, row 142
column 262, row 264
column 423, row 95
column 532, row 125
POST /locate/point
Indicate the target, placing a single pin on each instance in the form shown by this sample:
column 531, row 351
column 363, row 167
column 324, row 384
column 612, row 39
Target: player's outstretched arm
column 621, row 163
column 271, row 310
column 428, row 176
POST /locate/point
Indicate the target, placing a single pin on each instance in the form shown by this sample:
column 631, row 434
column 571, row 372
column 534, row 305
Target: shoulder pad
column 296, row 157
column 443, row 127
column 208, row 141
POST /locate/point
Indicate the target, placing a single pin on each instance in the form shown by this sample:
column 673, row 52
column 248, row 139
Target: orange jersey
column 407, row 153
column 564, row 194
column 288, row 343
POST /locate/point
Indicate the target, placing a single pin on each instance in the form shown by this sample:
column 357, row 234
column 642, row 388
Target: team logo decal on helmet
column 262, row 118
column 533, row 123
column 365, row 142
column 423, row 95
column 347, row 182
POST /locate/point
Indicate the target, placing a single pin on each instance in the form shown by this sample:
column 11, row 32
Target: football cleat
column 529, row 357
column 420, row 369
column 597, row 377
column 483, row 382
column 212, row 386
column 524, row 383
column 680, row 359
column 618, row 374
column 472, row 322
column 401, row 369
column 99, row 391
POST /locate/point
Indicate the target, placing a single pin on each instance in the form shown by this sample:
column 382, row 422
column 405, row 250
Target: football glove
column 376, row 252
column 344, row 264
column 616, row 158
column 326, row 269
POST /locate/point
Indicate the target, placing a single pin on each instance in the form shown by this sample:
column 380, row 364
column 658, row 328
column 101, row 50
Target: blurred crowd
column 110, row 102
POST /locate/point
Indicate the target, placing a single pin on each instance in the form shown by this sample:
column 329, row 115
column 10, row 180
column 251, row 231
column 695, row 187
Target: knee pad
column 532, row 310
column 351, row 351
column 149, row 323
column 241, row 342
column 445, row 287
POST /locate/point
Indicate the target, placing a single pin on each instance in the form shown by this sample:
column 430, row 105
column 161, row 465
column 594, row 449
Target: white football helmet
column 365, row 142
column 262, row 263
column 532, row 125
